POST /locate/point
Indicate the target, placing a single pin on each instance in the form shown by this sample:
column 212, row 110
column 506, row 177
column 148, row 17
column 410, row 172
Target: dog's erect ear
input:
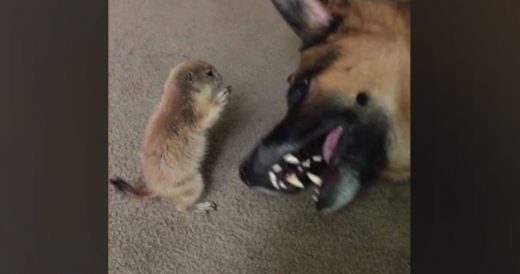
column 308, row 18
column 336, row 196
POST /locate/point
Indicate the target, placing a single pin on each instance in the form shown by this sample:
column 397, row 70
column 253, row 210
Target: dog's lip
column 265, row 191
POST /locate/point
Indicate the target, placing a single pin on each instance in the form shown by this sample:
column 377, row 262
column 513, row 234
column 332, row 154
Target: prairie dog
column 175, row 138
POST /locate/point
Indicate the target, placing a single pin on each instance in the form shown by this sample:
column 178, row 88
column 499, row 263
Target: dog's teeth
column 317, row 158
column 293, row 180
column 276, row 168
column 282, row 185
column 306, row 163
column 291, row 159
column 300, row 169
column 314, row 178
column 315, row 198
column 272, row 177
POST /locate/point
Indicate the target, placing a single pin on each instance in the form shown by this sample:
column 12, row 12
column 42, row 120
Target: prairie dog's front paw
column 223, row 96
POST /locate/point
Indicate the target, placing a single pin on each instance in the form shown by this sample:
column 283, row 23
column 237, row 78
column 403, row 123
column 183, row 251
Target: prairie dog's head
column 195, row 78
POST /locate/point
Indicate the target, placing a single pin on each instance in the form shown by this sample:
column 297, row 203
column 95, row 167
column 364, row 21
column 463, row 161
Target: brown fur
column 175, row 138
column 372, row 46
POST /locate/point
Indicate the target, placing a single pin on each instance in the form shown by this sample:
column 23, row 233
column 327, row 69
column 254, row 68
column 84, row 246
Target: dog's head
column 348, row 102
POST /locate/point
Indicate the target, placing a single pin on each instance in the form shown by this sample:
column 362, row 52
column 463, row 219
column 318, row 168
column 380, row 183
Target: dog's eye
column 362, row 98
column 298, row 91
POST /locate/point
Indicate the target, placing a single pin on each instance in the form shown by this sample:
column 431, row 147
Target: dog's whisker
column 315, row 198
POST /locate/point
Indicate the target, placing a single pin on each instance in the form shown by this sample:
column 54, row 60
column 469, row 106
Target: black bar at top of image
column 53, row 125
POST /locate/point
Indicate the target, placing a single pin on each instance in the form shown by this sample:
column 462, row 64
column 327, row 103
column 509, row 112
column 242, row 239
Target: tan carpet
column 250, row 233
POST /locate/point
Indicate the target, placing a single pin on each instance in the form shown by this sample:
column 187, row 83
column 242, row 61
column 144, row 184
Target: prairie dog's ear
column 189, row 77
column 309, row 19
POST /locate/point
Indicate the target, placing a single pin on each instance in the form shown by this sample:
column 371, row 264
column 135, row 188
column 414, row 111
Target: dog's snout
column 243, row 174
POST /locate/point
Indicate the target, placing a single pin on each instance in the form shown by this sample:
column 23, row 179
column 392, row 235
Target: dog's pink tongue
column 331, row 143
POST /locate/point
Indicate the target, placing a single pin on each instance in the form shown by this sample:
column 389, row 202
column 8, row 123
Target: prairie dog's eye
column 362, row 98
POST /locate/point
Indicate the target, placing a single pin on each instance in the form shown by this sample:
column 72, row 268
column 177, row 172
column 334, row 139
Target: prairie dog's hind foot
column 205, row 207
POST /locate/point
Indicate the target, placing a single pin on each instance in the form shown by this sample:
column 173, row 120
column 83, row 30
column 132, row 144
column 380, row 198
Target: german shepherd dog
column 348, row 118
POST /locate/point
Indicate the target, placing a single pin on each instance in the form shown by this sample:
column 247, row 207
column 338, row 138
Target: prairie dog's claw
column 223, row 96
column 205, row 207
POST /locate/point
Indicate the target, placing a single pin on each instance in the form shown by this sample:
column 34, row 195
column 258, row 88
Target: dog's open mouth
column 308, row 166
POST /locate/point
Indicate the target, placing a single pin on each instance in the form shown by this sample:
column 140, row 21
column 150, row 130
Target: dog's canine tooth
column 276, row 168
column 314, row 178
column 306, row 163
column 282, row 185
column 291, row 159
column 315, row 198
column 317, row 158
column 293, row 180
column 272, row 177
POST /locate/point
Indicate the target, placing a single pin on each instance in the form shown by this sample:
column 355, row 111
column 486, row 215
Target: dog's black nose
column 242, row 173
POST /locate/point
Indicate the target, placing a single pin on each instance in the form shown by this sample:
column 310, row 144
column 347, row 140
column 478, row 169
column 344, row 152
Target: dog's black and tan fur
column 350, row 93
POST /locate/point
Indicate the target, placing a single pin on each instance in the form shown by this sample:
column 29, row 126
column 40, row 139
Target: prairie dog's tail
column 125, row 187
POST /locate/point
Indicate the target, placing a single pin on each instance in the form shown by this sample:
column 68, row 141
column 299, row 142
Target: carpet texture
column 250, row 233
